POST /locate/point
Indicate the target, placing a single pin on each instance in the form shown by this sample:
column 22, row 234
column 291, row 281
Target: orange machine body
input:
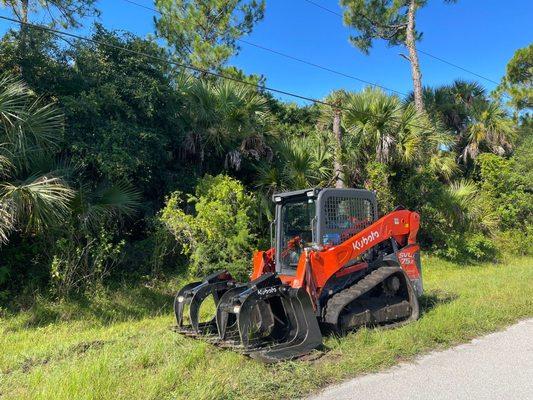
column 317, row 266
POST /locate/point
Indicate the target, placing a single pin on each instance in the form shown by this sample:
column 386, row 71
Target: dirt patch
column 78, row 349
column 83, row 347
column 31, row 362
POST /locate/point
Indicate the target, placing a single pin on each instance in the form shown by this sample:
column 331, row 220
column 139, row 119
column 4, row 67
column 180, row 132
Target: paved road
column 497, row 366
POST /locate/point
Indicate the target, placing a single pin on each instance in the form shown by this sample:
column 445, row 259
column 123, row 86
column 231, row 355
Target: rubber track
column 340, row 300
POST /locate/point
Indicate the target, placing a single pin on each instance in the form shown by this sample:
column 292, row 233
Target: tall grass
column 118, row 345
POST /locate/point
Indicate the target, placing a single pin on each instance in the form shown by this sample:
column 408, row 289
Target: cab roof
column 313, row 192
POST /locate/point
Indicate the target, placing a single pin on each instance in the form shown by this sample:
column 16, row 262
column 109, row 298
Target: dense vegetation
column 117, row 164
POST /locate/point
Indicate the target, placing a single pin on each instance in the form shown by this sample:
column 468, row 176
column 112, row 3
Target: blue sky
column 480, row 35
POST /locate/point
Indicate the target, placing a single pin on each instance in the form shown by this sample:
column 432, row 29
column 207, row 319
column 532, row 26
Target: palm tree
column 491, row 129
column 373, row 117
column 452, row 105
column 383, row 129
column 224, row 120
column 478, row 123
column 32, row 198
column 298, row 163
column 330, row 120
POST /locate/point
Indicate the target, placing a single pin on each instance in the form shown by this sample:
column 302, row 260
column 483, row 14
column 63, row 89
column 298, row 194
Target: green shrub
column 422, row 192
column 78, row 265
column 506, row 190
column 480, row 247
column 455, row 220
column 468, row 247
column 217, row 233
column 377, row 179
column 517, row 241
column 490, row 216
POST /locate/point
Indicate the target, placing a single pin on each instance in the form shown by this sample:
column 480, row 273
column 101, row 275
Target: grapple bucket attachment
column 189, row 299
column 268, row 320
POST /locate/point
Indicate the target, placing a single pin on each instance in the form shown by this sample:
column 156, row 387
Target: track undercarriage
column 383, row 297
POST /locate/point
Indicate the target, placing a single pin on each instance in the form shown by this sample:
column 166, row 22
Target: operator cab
column 317, row 217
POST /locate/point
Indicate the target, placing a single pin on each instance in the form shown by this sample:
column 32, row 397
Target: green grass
column 119, row 346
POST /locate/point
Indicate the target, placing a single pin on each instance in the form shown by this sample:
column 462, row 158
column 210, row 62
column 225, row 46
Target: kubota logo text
column 266, row 291
column 358, row 244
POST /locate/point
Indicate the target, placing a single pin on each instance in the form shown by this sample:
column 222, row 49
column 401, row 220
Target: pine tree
column 393, row 21
column 65, row 13
column 204, row 32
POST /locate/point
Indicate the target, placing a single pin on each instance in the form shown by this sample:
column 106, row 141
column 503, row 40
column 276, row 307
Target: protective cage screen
column 345, row 217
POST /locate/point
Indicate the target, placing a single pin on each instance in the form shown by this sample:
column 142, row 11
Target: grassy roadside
column 120, row 346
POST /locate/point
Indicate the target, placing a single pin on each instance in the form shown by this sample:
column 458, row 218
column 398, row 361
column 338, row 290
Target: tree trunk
column 337, row 165
column 410, row 42
column 23, row 40
column 24, row 10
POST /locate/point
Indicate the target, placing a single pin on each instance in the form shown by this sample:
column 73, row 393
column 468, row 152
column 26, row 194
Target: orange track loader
column 334, row 266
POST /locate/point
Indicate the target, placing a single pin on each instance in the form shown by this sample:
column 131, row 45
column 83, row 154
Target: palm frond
column 7, row 222
column 13, row 100
column 6, row 161
column 467, row 207
column 268, row 178
column 444, row 164
column 107, row 202
column 462, row 191
column 44, row 122
column 37, row 202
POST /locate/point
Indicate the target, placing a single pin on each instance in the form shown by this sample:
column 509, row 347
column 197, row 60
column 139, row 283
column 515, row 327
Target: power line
column 140, row 53
column 419, row 50
column 141, row 5
column 324, row 8
column 323, row 68
column 300, row 60
column 457, row 66
column 191, row 67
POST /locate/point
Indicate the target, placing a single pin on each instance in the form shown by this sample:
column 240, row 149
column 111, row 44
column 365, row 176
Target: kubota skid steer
column 334, row 267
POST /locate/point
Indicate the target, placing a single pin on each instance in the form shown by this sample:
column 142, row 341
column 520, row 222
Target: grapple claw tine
column 181, row 299
column 216, row 289
column 245, row 318
column 194, row 309
column 193, row 294
column 223, row 315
